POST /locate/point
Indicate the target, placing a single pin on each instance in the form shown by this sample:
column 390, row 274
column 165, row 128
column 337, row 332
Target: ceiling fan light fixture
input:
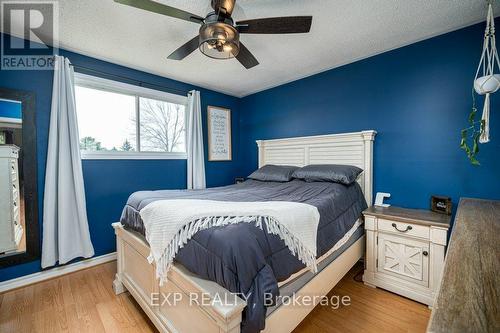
column 219, row 40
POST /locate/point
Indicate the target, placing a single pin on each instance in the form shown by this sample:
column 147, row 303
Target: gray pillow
column 274, row 173
column 344, row 174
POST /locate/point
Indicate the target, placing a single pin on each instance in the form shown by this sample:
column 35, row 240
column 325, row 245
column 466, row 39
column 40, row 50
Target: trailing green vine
column 472, row 133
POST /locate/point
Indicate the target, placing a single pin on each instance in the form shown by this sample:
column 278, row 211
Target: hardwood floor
column 371, row 310
column 84, row 302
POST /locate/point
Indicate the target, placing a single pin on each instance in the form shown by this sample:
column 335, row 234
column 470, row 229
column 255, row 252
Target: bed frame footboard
column 185, row 303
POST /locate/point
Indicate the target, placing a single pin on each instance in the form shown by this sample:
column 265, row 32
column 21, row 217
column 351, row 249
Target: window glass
column 114, row 118
column 162, row 126
column 106, row 120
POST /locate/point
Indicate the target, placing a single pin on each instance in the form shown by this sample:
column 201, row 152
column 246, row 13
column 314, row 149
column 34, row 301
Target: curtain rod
column 138, row 82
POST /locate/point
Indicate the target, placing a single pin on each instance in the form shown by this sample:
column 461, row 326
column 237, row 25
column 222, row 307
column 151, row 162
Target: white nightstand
column 405, row 251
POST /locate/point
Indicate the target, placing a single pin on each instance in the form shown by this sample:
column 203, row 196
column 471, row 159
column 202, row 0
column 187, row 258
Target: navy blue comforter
column 243, row 258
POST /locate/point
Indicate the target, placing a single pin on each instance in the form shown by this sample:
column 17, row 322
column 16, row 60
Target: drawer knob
column 425, row 253
column 408, row 228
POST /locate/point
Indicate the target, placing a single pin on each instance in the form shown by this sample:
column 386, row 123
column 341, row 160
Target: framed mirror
column 19, row 230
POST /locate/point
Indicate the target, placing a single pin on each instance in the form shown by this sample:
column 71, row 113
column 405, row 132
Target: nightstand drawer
column 401, row 228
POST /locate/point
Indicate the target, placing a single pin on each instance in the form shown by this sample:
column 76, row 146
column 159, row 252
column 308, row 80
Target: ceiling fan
column 219, row 35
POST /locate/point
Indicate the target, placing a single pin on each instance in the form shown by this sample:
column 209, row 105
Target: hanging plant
column 471, row 134
column 486, row 82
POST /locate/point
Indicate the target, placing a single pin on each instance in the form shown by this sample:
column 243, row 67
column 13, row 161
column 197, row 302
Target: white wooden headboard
column 345, row 148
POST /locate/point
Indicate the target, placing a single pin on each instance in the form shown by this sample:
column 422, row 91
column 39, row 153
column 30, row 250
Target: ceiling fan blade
column 276, row 25
column 246, row 58
column 159, row 8
column 185, row 49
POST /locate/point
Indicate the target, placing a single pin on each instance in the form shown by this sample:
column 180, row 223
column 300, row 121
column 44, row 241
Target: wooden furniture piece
column 11, row 230
column 469, row 296
column 405, row 251
column 136, row 275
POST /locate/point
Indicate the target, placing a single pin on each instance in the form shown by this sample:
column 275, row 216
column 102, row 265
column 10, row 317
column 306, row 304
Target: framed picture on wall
column 440, row 204
column 219, row 134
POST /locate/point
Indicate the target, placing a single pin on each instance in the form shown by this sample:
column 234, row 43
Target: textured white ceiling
column 342, row 31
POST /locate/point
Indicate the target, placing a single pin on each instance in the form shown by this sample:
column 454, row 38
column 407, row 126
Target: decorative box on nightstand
column 405, row 251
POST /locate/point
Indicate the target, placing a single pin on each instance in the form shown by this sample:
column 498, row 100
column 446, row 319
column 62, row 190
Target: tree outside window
column 162, row 126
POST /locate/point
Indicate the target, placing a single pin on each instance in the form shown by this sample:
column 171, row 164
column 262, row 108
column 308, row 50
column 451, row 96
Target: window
column 120, row 121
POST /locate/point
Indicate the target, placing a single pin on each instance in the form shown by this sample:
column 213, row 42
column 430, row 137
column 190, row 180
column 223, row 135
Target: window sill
column 132, row 156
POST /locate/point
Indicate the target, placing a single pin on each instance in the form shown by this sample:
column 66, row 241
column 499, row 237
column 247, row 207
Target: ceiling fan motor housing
column 218, row 37
column 224, row 7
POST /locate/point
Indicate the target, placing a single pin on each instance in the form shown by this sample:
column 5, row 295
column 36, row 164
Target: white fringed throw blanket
column 170, row 224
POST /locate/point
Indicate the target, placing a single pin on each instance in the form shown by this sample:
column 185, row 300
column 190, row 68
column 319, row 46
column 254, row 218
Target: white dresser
column 10, row 205
column 405, row 251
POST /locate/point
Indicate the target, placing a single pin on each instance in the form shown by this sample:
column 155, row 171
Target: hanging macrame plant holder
column 488, row 82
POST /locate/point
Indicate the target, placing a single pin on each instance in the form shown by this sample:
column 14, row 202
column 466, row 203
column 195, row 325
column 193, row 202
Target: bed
column 136, row 275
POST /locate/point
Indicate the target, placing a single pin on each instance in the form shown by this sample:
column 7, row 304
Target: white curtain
column 65, row 227
column 195, row 155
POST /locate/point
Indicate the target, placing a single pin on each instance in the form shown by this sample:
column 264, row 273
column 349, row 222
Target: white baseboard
column 55, row 272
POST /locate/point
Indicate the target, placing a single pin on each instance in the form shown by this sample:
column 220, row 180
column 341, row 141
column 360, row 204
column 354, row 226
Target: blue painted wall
column 417, row 97
column 108, row 183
